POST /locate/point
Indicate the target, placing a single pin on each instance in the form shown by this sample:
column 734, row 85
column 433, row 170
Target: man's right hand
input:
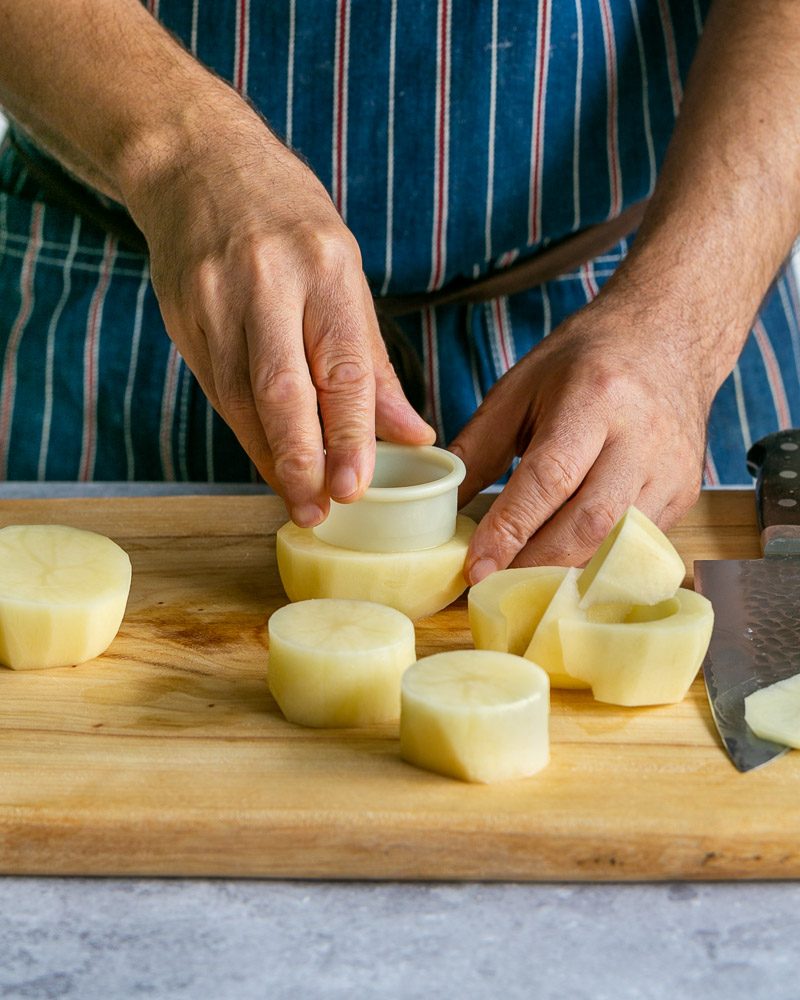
column 261, row 288
column 258, row 278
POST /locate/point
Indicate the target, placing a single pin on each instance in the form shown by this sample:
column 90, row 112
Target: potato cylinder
column 338, row 663
column 476, row 715
column 416, row 583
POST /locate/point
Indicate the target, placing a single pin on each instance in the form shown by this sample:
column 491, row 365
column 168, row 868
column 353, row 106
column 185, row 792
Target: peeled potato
column 635, row 564
column 505, row 607
column 545, row 645
column 338, row 663
column 476, row 715
column 415, row 583
column 773, row 713
column 649, row 658
column 62, row 595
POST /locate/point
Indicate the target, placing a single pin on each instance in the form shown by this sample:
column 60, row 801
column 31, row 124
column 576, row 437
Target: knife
column 756, row 637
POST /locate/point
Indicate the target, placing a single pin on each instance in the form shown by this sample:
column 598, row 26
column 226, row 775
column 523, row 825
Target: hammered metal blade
column 755, row 642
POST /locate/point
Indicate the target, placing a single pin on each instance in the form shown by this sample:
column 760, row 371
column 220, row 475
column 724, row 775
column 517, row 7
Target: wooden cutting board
column 167, row 755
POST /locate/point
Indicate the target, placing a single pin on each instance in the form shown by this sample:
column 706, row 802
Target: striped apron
column 453, row 137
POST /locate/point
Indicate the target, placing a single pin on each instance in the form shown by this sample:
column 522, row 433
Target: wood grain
column 167, row 755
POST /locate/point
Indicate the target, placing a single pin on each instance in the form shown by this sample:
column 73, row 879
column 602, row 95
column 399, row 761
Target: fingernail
column 344, row 483
column 481, row 569
column 306, row 515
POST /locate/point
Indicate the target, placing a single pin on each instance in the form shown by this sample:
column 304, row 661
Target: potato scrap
column 506, row 606
column 621, row 627
column 773, row 713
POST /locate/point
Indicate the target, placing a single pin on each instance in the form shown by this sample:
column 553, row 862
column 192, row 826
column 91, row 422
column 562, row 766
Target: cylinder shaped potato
column 476, row 715
column 338, row 663
column 416, row 583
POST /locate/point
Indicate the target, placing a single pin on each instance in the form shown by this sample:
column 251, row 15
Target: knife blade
column 756, row 636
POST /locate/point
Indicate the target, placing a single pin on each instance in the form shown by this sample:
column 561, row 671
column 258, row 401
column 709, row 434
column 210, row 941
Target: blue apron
column 453, row 139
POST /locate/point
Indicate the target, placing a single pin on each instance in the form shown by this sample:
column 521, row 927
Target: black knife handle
column 775, row 462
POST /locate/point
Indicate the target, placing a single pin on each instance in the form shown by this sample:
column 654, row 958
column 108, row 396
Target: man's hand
column 261, row 288
column 611, row 409
column 602, row 415
column 258, row 278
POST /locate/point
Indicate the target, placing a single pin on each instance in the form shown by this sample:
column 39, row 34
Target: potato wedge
column 545, row 645
column 635, row 564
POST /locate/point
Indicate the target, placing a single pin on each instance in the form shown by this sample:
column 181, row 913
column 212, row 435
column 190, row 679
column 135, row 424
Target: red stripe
column 339, row 111
column 508, row 258
column 440, row 142
column 772, row 368
column 538, row 118
column 497, row 314
column 90, row 379
column 590, row 287
column 611, row 70
column 8, row 387
column 672, row 55
column 241, row 45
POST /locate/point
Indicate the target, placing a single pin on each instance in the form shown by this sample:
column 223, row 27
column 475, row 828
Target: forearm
column 727, row 204
column 102, row 86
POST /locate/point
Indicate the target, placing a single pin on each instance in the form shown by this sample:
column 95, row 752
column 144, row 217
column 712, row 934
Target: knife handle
column 775, row 462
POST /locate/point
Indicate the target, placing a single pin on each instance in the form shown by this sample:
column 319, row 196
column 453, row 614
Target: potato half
column 416, row 583
column 63, row 593
column 649, row 658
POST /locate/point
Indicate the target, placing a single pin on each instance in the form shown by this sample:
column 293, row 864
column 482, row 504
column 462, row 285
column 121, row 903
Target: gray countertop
column 242, row 939
column 83, row 939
